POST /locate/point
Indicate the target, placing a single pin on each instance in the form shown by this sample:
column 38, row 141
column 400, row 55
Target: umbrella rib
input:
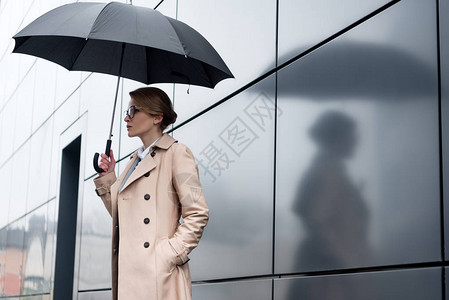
column 177, row 36
column 79, row 53
column 87, row 37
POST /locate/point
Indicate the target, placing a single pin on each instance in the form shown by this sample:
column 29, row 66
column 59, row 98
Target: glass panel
column 45, row 6
column 7, row 130
column 33, row 280
column 63, row 117
column 9, row 66
column 37, row 297
column 97, row 97
column 24, row 113
column 357, row 154
column 246, row 42
column 19, row 182
column 14, row 258
column 242, row 290
column 103, row 295
column 3, row 247
column 66, row 114
column 5, row 179
column 3, row 76
column 50, row 246
column 44, row 92
column 95, row 242
column 304, row 23
column 234, row 151
column 40, row 164
column 55, row 160
column 417, row 284
column 66, row 83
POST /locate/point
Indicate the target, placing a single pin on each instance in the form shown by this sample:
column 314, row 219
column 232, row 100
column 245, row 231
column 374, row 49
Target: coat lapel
column 147, row 164
column 143, row 167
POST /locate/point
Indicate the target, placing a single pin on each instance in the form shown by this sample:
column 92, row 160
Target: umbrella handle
column 97, row 155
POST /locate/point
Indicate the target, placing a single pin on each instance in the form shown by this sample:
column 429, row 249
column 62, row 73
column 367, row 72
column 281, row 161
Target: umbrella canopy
column 94, row 36
column 124, row 40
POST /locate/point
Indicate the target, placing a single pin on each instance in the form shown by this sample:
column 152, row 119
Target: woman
column 159, row 185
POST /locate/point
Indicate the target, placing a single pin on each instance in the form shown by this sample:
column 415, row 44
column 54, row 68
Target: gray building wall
column 324, row 164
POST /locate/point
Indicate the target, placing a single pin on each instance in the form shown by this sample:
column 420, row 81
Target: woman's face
column 142, row 123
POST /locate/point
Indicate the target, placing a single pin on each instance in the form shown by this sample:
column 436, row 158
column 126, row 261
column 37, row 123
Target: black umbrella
column 124, row 40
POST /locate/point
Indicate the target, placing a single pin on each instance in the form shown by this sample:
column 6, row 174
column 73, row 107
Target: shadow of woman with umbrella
column 331, row 208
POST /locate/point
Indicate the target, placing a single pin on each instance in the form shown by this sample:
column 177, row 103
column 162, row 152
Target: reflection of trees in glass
column 330, row 206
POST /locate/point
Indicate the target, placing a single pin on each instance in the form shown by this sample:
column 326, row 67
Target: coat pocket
column 166, row 256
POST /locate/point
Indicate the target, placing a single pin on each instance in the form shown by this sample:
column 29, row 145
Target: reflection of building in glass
column 357, row 208
column 13, row 264
column 22, row 260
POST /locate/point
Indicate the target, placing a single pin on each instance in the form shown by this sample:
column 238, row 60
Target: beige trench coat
column 150, row 261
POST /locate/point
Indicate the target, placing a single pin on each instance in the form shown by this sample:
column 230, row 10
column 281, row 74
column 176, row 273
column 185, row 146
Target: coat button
column 147, row 174
column 146, row 244
column 153, row 154
column 146, row 220
column 146, row 197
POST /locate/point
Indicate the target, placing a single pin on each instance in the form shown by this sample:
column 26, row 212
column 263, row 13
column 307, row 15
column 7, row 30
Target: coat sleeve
column 103, row 189
column 194, row 210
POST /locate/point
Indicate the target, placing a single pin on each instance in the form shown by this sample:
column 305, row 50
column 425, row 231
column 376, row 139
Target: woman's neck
column 150, row 138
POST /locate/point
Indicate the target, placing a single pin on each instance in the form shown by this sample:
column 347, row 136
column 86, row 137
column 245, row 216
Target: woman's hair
column 156, row 102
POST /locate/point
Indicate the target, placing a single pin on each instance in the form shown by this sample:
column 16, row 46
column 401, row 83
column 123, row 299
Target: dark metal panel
column 446, row 274
column 357, row 154
column 414, row 284
column 233, row 146
column 241, row 290
column 444, row 80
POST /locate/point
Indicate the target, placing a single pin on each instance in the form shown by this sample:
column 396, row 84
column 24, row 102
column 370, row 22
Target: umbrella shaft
column 116, row 90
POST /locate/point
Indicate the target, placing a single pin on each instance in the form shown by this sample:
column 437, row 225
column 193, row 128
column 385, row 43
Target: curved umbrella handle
column 97, row 155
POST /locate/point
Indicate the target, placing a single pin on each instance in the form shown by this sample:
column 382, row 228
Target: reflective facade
column 325, row 168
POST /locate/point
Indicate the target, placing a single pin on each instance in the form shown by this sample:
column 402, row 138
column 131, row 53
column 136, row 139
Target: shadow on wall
column 330, row 206
column 356, row 70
